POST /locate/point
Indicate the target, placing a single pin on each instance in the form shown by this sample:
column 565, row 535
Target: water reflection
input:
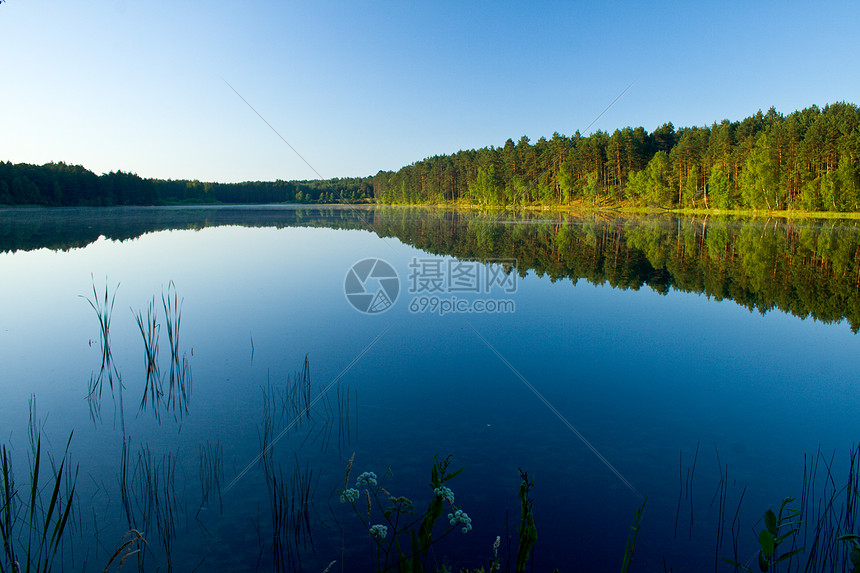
column 103, row 307
column 806, row 268
column 269, row 322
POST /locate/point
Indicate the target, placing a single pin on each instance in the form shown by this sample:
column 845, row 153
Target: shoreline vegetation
column 625, row 208
column 570, row 209
column 817, row 529
column 804, row 164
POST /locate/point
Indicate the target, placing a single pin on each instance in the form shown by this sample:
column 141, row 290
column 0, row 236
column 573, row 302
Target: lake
column 708, row 364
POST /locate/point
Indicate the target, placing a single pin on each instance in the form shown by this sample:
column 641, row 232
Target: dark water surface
column 693, row 361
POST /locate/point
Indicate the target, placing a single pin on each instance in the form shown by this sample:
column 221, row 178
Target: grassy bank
column 625, row 207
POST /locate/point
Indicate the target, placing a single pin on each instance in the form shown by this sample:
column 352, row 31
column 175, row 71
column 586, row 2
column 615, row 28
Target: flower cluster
column 349, row 495
column 445, row 492
column 367, row 478
column 461, row 516
column 496, row 566
column 378, row 531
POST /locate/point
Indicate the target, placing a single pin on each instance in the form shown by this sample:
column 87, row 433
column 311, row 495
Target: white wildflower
column 367, row 478
column 378, row 531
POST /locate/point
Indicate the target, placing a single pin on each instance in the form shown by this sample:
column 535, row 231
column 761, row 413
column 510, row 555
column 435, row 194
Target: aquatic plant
column 527, row 534
column 32, row 529
column 825, row 517
column 128, row 547
column 830, row 511
column 773, row 535
column 211, row 474
column 290, row 512
column 460, row 517
column 855, row 550
column 124, row 479
column 346, row 406
column 179, row 378
column 149, row 331
column 179, row 381
column 396, row 512
column 295, row 394
column 291, row 406
column 103, row 307
column 173, row 319
column 289, row 499
column 631, row 537
column 154, row 486
column 149, row 498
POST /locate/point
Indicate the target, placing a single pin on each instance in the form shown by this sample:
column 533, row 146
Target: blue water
column 644, row 379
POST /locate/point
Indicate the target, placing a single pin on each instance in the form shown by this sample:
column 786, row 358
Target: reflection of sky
column 641, row 375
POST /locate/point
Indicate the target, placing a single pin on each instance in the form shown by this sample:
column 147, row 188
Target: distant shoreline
column 477, row 207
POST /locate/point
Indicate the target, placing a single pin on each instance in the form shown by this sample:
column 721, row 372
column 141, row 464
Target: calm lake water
column 694, row 361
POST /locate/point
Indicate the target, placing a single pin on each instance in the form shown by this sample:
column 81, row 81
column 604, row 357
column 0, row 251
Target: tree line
column 807, row 160
column 59, row 184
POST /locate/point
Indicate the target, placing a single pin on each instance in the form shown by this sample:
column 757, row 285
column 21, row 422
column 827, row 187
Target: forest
column 808, row 161
column 62, row 185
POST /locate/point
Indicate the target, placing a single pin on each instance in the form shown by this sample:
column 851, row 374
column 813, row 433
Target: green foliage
column 854, row 556
column 805, row 160
column 778, row 529
column 527, row 534
column 631, row 537
column 31, row 529
column 759, row 183
column 591, row 189
column 488, row 186
column 59, row 184
column 720, row 189
column 397, row 515
column 691, row 187
column 656, row 176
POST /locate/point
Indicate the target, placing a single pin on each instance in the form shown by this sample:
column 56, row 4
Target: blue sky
column 359, row 87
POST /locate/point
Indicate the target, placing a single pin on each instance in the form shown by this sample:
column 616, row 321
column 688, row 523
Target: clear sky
column 362, row 86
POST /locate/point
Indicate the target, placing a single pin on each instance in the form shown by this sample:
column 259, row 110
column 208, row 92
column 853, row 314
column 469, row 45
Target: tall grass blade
column 104, row 309
column 149, row 332
column 631, row 537
column 34, row 486
column 38, row 530
column 8, row 509
column 179, row 381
